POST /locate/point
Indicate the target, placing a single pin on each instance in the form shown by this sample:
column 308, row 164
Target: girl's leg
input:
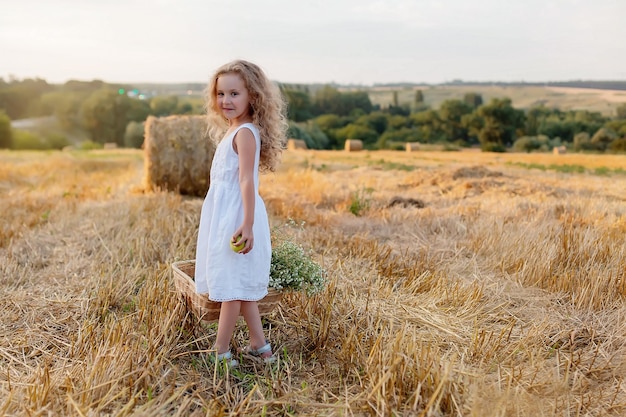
column 229, row 313
column 250, row 312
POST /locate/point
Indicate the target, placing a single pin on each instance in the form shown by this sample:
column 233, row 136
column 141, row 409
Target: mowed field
column 460, row 284
column 522, row 97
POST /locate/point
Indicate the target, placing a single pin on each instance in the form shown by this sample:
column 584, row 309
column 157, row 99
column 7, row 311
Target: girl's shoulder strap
column 251, row 126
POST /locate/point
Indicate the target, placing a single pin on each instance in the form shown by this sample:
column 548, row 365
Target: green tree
column 428, row 126
column 329, row 124
column 163, row 105
column 602, row 139
column 399, row 109
column 310, row 133
column 375, row 120
column 105, row 116
column 86, row 87
column 394, row 137
column 25, row 140
column 66, row 107
column 329, row 100
column 532, row 143
column 395, row 102
column 618, row 145
column 318, row 137
column 184, row 108
column 535, row 116
column 618, row 126
column 6, row 133
column 500, row 123
column 473, row 123
column 353, row 131
column 567, row 124
column 56, row 141
column 20, row 99
column 590, row 119
column 134, row 135
column 398, row 122
column 556, row 124
column 295, row 131
column 451, row 114
column 418, row 102
column 582, row 141
column 299, row 106
column 138, row 110
column 358, row 100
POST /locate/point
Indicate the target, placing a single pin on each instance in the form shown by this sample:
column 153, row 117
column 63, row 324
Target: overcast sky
column 305, row 41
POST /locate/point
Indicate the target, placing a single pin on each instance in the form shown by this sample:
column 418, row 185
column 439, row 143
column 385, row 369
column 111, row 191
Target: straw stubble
column 465, row 306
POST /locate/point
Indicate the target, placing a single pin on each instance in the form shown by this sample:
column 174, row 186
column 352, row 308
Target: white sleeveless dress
column 222, row 273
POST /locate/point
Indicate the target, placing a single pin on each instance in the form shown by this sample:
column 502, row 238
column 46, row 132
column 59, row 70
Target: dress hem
column 224, row 300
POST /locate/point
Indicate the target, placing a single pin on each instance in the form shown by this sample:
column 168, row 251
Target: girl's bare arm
column 245, row 146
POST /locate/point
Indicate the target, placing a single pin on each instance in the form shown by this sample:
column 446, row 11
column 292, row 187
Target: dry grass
column 501, row 293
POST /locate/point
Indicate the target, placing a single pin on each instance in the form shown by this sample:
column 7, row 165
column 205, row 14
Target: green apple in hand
column 238, row 245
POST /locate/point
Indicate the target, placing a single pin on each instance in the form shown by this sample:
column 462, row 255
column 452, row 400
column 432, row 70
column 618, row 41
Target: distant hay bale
column 68, row 148
column 293, row 144
column 110, row 145
column 178, row 154
column 412, row 146
column 559, row 150
column 353, row 145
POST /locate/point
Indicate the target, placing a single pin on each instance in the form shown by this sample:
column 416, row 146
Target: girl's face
column 233, row 98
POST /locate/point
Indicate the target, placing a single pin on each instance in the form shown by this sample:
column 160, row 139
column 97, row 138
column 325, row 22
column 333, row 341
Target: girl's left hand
column 246, row 236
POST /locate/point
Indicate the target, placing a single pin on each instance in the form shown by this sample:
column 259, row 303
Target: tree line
column 324, row 118
column 93, row 110
column 328, row 117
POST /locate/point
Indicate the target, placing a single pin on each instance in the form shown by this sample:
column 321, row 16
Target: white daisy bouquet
column 293, row 270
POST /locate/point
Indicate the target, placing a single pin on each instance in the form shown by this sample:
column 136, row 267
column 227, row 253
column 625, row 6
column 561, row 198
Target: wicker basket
column 201, row 306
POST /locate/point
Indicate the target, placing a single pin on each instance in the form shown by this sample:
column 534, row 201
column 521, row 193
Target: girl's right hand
column 243, row 235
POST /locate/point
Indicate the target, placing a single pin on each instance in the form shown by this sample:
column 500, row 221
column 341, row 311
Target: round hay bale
column 559, row 150
column 293, row 144
column 110, row 145
column 178, row 154
column 353, row 145
column 412, row 146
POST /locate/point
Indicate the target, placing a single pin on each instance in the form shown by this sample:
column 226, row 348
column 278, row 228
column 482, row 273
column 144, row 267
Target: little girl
column 246, row 108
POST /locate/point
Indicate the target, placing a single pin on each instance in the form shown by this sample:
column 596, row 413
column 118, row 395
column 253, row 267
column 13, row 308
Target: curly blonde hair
column 267, row 108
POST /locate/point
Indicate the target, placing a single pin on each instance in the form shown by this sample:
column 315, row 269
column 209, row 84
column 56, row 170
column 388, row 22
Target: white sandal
column 227, row 358
column 260, row 351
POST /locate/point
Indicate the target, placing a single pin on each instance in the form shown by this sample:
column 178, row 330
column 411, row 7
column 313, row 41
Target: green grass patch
column 388, row 165
column 540, row 167
column 604, row 171
column 578, row 169
column 360, row 201
column 608, row 171
column 570, row 169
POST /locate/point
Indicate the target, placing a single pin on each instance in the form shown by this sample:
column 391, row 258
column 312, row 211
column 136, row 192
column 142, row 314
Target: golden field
column 522, row 97
column 460, row 284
